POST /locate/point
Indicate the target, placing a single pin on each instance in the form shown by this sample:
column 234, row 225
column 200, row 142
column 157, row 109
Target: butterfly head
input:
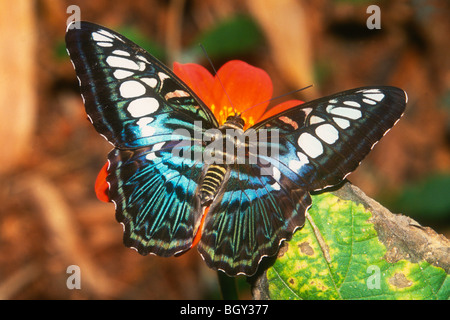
column 235, row 121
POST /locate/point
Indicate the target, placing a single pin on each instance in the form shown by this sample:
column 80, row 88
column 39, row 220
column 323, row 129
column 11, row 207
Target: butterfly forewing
column 324, row 140
column 130, row 97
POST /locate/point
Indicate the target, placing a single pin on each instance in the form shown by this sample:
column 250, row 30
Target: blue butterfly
column 161, row 189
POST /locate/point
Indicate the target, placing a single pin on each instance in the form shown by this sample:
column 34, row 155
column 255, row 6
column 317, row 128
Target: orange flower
column 101, row 186
column 237, row 88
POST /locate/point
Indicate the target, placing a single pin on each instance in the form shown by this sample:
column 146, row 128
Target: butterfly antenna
column 215, row 73
column 278, row 97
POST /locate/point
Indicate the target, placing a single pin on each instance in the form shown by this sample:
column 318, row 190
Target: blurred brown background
column 49, row 215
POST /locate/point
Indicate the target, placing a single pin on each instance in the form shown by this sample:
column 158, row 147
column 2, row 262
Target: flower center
column 226, row 111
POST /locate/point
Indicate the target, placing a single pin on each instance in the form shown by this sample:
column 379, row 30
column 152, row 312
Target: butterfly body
column 172, row 159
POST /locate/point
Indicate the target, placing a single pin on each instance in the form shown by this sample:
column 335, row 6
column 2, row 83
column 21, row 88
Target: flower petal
column 198, row 235
column 280, row 108
column 101, row 186
column 198, row 78
column 245, row 86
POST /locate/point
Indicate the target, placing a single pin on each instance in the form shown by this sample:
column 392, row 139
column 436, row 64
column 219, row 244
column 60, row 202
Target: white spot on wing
column 141, row 65
column 163, row 76
column 132, row 89
column 121, row 53
column 105, row 44
column 142, row 58
column 343, row 123
column 352, row 104
column 106, row 33
column 368, row 101
column 146, row 130
column 327, row 133
column 310, row 144
column 100, row 38
column 307, row 111
column 316, row 119
column 347, row 112
column 144, row 121
column 276, row 186
column 151, row 156
column 370, row 91
column 142, row 107
column 119, row 62
column 152, row 82
column 296, row 165
column 276, row 173
column 374, row 96
column 120, row 74
column 158, row 146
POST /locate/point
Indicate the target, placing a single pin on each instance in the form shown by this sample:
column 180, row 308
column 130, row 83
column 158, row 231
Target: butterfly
column 158, row 176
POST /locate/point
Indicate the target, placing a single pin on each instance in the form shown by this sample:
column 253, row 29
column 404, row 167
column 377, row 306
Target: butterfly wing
column 249, row 218
column 156, row 198
column 130, row 97
column 152, row 119
column 305, row 148
column 322, row 141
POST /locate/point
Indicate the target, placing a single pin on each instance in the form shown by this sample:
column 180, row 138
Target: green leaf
column 237, row 35
column 428, row 199
column 338, row 255
column 149, row 45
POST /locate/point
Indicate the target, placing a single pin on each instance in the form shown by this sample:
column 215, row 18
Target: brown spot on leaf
column 394, row 254
column 306, row 248
column 400, row 281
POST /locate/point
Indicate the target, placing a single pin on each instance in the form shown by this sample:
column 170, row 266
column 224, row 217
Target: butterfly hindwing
column 249, row 218
column 155, row 195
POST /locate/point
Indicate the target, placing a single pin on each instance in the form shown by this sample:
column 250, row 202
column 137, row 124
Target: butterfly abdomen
column 211, row 183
